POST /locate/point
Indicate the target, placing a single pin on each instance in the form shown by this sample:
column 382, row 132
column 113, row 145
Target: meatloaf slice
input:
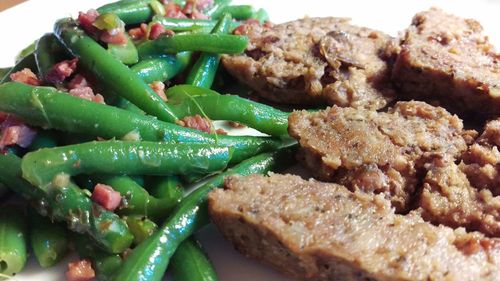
column 447, row 58
column 481, row 162
column 322, row 231
column 377, row 152
column 314, row 60
column 450, row 199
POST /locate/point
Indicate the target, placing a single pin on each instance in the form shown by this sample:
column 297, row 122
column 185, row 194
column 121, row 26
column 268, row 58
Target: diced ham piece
column 140, row 32
column 87, row 93
column 79, row 81
column 159, row 88
column 25, row 76
column 242, row 29
column 194, row 8
column 86, row 20
column 204, row 4
column 189, row 7
column 173, row 10
column 21, row 135
column 115, row 36
column 61, row 70
column 106, row 196
column 196, row 122
column 80, row 271
column 14, row 131
column 197, row 15
column 220, row 132
column 157, row 30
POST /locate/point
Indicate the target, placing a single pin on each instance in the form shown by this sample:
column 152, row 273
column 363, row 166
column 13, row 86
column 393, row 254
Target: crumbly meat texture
column 481, row 162
column 321, row 231
column 317, row 60
column 449, row 198
column 447, row 58
column 378, row 152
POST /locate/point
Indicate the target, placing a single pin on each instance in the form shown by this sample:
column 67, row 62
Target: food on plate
column 448, row 59
column 482, row 160
column 322, row 231
column 86, row 115
column 449, row 198
column 107, row 121
column 378, row 152
column 317, row 60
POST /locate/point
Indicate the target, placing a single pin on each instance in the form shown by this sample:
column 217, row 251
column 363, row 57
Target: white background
column 20, row 25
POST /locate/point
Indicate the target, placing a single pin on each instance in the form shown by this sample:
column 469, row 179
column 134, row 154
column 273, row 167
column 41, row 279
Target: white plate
column 22, row 24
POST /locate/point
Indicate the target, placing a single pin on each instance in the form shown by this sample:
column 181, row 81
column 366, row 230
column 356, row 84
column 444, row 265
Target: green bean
column 137, row 200
column 26, row 62
column 11, row 177
column 70, row 204
column 217, row 8
column 4, row 71
column 166, row 187
column 49, row 240
column 149, row 260
column 261, row 15
column 48, row 52
column 104, row 264
column 162, row 68
column 141, row 227
column 48, row 108
column 180, row 25
column 188, row 100
column 43, row 167
column 190, row 263
column 211, row 43
column 13, row 244
column 26, row 51
column 238, row 12
column 110, row 72
column 205, row 68
column 129, row 11
column 126, row 53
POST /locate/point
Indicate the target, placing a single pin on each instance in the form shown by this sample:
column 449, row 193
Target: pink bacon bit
column 173, row 10
column 80, row 271
column 87, row 93
column 115, row 36
column 202, row 5
column 189, row 7
column 196, row 122
column 106, row 196
column 159, row 89
column 192, row 9
column 243, row 28
column 14, row 131
column 199, row 15
column 79, row 81
column 139, row 33
column 86, row 20
column 25, row 76
column 61, row 70
column 157, row 29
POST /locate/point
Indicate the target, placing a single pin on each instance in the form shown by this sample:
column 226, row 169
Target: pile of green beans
column 136, row 143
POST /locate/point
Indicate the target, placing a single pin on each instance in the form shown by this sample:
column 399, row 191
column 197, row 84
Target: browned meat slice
column 448, row 58
column 321, row 231
column 482, row 160
column 377, row 152
column 315, row 60
column 449, row 198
